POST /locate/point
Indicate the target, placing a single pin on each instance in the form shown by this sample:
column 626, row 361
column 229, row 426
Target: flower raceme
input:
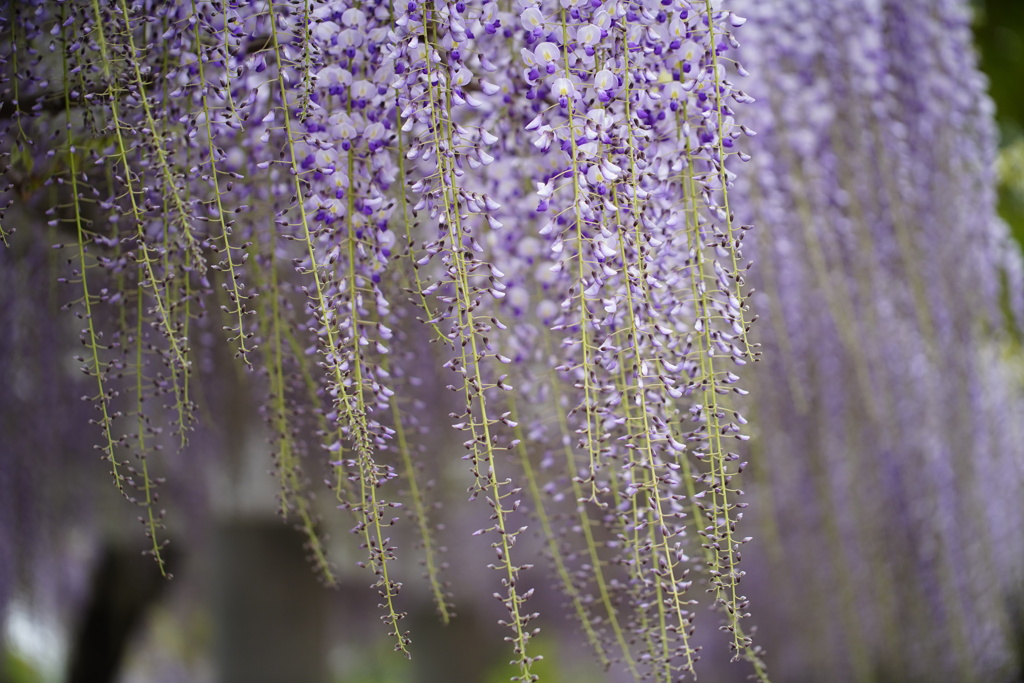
column 545, row 185
column 891, row 436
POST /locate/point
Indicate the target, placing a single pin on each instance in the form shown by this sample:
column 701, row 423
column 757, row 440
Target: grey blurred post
column 269, row 608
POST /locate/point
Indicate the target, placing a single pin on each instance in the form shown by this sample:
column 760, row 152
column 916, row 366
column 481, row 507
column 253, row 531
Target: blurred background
column 86, row 608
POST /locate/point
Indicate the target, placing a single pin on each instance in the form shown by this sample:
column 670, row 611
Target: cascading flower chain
column 546, row 183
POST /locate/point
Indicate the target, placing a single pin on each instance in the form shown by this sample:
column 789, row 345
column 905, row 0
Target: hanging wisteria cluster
column 544, row 185
column 891, row 333
column 531, row 216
